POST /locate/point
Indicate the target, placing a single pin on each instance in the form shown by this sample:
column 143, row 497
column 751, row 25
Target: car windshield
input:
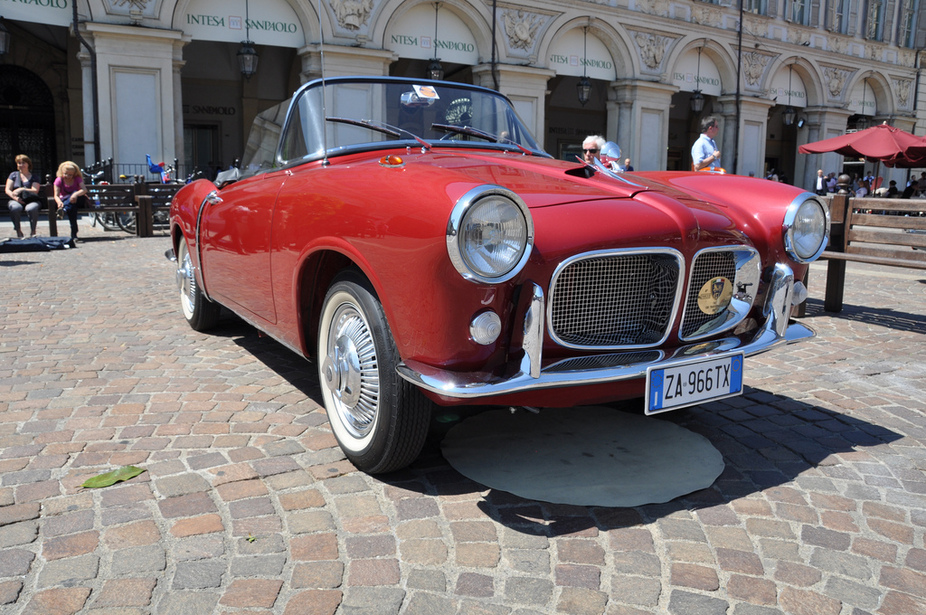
column 372, row 114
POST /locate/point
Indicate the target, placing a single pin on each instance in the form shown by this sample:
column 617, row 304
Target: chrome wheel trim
column 349, row 372
column 186, row 282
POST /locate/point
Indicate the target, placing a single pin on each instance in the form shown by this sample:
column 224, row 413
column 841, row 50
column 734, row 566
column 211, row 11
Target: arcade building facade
column 88, row 80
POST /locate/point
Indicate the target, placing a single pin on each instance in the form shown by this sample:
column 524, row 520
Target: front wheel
column 201, row 313
column 379, row 420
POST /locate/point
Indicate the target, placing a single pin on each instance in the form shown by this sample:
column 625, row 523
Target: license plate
column 686, row 384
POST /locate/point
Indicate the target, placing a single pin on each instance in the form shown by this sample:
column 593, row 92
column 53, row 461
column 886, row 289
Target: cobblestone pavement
column 248, row 506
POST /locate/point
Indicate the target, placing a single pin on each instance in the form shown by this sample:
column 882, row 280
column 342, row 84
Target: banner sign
column 269, row 22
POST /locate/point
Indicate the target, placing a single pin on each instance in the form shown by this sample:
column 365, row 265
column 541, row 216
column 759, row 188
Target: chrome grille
column 605, row 361
column 707, row 266
column 614, row 299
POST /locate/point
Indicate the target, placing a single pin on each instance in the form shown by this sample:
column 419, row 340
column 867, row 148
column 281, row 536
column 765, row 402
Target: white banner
column 690, row 75
column 48, row 12
column 412, row 36
column 788, row 88
column 575, row 55
column 862, row 100
column 269, row 22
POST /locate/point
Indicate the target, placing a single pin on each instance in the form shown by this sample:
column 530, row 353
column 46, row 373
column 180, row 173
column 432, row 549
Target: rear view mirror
column 412, row 99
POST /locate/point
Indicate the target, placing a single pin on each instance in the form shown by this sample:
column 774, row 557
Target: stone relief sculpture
column 902, row 91
column 706, row 16
column 654, row 7
column 521, row 28
column 134, row 8
column 754, row 64
column 352, row 14
column 835, row 79
column 652, row 48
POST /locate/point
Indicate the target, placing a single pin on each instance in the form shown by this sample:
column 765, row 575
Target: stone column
column 526, row 87
column 822, row 123
column 748, row 155
column 638, row 119
column 138, row 92
column 340, row 60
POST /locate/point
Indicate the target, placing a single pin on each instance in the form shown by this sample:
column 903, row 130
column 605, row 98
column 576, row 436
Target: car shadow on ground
column 766, row 440
column 884, row 317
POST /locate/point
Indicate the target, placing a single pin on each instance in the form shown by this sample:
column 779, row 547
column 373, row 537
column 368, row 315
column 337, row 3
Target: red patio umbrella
column 882, row 143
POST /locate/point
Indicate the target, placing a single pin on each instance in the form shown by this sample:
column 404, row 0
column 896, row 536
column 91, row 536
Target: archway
column 27, row 124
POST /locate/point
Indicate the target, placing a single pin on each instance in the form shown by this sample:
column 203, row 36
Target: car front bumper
column 775, row 330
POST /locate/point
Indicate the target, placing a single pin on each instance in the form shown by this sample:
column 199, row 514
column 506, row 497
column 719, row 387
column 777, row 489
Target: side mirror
column 611, row 152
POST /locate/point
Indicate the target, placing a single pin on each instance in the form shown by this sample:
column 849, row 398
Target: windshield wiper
column 466, row 130
column 386, row 129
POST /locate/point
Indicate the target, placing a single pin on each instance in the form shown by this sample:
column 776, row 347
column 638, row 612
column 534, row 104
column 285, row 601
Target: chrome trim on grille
column 774, row 331
column 596, row 316
column 744, row 270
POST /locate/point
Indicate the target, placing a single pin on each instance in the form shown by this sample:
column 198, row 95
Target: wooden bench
column 114, row 199
column 879, row 231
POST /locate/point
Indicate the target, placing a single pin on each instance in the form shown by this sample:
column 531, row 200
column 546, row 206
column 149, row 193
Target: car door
column 235, row 237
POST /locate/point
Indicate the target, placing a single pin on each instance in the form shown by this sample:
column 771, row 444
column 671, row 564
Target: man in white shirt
column 819, row 184
column 704, row 152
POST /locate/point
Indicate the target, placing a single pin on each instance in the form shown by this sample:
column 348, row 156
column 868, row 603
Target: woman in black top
column 23, row 189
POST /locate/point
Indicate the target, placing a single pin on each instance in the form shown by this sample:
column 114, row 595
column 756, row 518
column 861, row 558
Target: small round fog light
column 485, row 328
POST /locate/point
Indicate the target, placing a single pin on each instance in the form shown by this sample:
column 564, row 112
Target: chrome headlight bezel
column 461, row 252
column 805, row 239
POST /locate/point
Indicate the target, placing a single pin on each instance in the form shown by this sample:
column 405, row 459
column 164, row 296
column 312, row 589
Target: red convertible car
column 413, row 240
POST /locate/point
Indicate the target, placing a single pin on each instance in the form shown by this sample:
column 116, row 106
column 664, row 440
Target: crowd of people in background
column 869, row 185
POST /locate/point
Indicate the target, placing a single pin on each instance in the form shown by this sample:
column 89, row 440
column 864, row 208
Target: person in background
column 591, row 146
column 70, row 193
column 892, row 191
column 704, row 152
column 831, row 185
column 23, row 189
column 627, row 166
column 863, row 188
column 819, row 183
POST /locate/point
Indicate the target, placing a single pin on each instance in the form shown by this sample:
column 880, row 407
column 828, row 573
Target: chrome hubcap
column 186, row 282
column 349, row 371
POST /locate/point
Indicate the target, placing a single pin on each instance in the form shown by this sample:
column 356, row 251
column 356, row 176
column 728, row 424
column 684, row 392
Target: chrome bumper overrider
column 774, row 331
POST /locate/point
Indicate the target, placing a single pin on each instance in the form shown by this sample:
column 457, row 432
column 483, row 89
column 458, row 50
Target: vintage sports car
column 413, row 240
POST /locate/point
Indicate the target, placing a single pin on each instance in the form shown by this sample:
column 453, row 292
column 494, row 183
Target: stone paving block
column 137, row 560
column 187, row 602
column 15, row 513
column 314, row 602
column 182, row 484
column 9, row 591
column 318, row 575
column 258, row 565
column 244, row 593
column 210, row 546
column 204, row 524
column 70, row 546
column 60, row 601
column 15, row 562
column 121, row 593
column 71, row 571
column 198, row 574
column 187, row 505
column 18, row 534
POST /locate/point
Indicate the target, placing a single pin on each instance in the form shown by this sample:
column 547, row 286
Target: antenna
column 321, row 53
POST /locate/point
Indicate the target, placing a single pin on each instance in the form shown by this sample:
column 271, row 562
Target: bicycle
column 108, row 221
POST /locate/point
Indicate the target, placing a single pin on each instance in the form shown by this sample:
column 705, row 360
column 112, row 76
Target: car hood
column 649, row 206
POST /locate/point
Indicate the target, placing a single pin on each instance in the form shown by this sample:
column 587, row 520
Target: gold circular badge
column 715, row 295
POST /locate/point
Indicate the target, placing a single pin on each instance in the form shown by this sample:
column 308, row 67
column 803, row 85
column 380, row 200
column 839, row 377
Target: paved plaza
column 247, row 505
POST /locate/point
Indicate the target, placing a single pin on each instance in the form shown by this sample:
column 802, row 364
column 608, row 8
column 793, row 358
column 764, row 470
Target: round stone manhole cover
column 590, row 456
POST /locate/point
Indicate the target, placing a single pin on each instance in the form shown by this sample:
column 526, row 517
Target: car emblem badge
column 715, row 295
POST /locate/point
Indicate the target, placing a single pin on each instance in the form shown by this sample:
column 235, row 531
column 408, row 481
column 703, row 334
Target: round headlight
column 806, row 228
column 489, row 235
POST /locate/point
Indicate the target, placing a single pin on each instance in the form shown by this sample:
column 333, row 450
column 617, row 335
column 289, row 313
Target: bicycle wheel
column 127, row 222
column 108, row 222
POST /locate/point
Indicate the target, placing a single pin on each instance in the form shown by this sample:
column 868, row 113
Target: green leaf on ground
column 111, row 478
